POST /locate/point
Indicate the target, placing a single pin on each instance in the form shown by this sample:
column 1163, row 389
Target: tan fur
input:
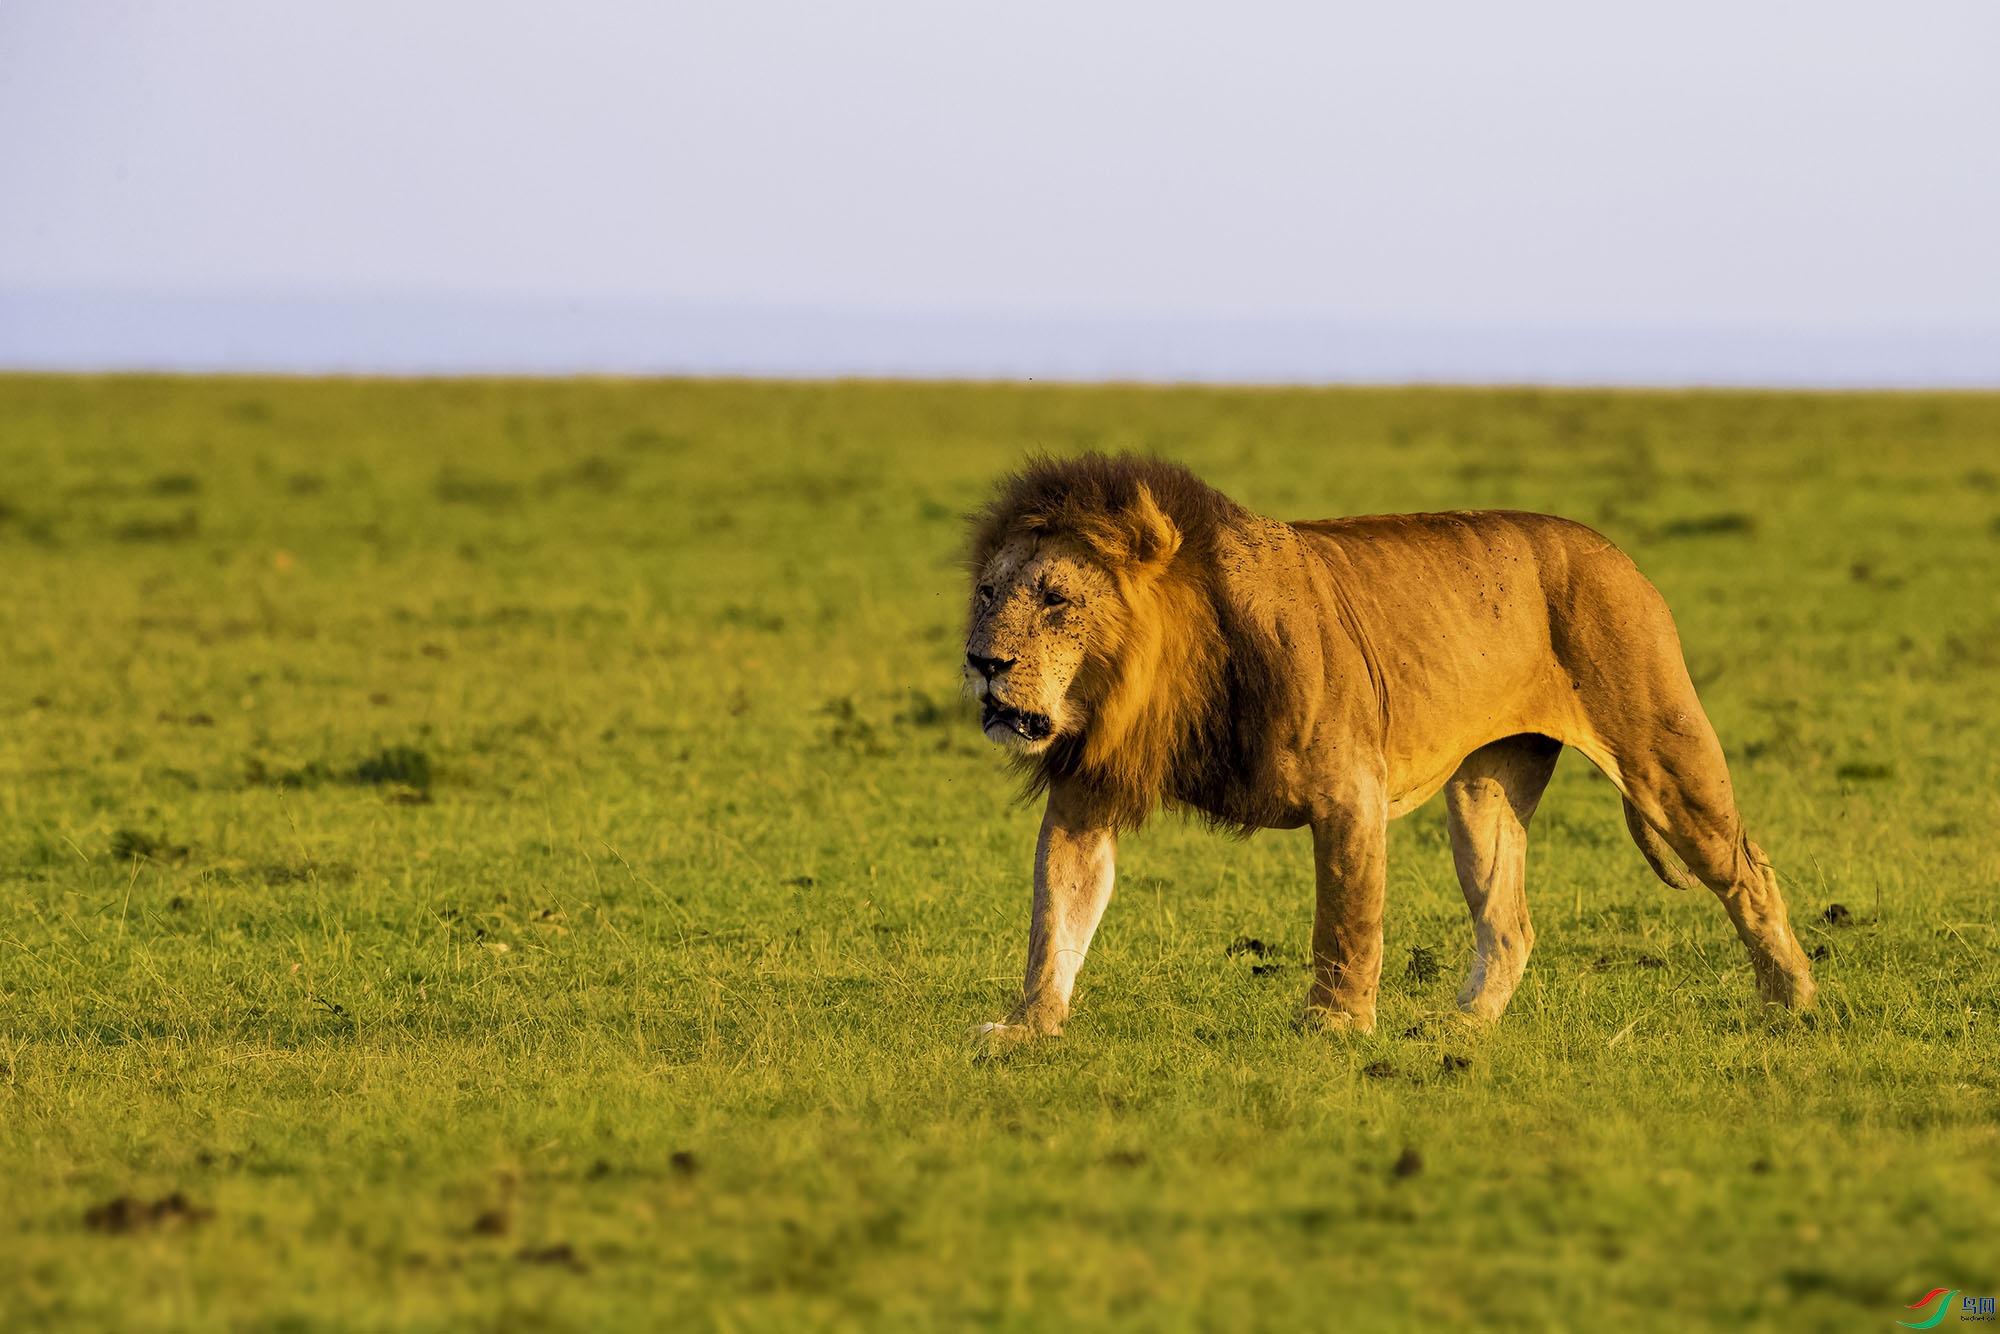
column 1138, row 639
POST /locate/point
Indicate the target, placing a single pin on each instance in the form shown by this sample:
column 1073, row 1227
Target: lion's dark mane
column 1215, row 765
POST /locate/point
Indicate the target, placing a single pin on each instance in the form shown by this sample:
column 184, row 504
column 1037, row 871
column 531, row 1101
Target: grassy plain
column 512, row 852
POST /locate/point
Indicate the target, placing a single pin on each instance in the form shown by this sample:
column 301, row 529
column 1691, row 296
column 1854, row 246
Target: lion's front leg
column 1074, row 860
column 1350, row 859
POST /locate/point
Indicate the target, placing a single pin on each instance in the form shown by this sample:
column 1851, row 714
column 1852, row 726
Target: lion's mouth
column 1027, row 726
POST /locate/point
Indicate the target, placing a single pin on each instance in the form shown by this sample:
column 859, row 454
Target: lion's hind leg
column 1488, row 804
column 1721, row 855
column 1691, row 805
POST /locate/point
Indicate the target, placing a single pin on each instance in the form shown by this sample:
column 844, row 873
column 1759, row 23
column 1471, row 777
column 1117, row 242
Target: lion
column 1139, row 640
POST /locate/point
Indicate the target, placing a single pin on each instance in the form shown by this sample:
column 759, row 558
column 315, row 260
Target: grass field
column 510, row 855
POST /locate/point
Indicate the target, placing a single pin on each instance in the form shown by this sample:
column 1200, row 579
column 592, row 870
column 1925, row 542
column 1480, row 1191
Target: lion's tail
column 1658, row 856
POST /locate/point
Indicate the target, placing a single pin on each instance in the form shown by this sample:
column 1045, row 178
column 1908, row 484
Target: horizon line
column 303, row 332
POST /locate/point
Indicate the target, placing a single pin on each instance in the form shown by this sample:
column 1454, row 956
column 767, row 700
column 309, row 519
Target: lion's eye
column 1051, row 598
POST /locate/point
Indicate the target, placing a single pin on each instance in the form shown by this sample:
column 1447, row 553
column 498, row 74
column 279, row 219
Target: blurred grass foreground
column 511, row 855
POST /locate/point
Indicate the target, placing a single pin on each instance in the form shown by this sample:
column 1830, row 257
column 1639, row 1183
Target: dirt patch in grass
column 561, row 1254
column 299, row 873
column 1731, row 524
column 1613, row 959
column 178, row 529
column 138, row 845
column 128, row 1213
column 406, row 769
column 1423, row 968
column 492, row 1223
column 404, row 765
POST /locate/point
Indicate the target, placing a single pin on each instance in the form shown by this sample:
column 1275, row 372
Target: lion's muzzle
column 1023, row 724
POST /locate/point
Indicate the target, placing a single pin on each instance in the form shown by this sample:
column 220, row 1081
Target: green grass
column 447, row 823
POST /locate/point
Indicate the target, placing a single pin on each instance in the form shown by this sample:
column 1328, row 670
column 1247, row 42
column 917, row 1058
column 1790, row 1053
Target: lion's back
column 1569, row 562
column 1477, row 592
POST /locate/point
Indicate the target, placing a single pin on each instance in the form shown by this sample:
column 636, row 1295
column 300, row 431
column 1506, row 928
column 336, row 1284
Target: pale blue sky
column 1724, row 166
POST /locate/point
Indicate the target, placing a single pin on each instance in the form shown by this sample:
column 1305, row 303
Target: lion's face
column 1037, row 608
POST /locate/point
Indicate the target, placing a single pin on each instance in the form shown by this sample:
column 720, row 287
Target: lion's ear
column 1155, row 538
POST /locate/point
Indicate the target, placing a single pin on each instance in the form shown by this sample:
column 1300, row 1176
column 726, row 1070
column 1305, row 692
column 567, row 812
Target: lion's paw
column 1795, row 992
column 1318, row 1019
column 1482, row 1011
column 992, row 1039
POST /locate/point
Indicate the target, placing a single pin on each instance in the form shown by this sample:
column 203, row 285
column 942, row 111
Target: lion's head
column 1042, row 608
column 1092, row 644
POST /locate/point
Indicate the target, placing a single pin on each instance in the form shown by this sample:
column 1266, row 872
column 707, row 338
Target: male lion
column 1138, row 638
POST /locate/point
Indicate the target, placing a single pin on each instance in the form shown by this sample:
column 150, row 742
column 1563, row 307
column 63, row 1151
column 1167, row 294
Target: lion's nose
column 988, row 667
